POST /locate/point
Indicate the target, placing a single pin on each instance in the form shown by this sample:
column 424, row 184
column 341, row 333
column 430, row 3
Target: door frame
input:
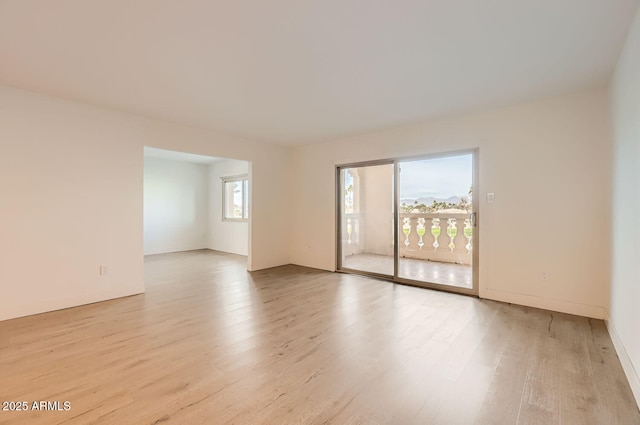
column 338, row 188
column 475, row 152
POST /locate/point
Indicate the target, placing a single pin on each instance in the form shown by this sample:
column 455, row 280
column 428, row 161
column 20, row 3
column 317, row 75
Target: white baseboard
column 625, row 360
column 48, row 305
column 169, row 250
column 562, row 306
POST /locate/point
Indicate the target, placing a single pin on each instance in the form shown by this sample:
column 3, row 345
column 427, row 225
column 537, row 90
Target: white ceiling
column 299, row 71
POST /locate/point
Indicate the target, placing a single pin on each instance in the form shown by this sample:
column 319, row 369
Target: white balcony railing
column 442, row 237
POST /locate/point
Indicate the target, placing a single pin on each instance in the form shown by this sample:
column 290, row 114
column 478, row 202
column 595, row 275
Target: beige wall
column 376, row 209
column 624, row 315
column 72, row 199
column 176, row 206
column 547, row 163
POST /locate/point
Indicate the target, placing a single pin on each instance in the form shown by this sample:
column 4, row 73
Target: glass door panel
column 366, row 208
column 436, row 220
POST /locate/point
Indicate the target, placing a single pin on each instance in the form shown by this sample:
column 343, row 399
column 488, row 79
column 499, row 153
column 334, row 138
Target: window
column 235, row 198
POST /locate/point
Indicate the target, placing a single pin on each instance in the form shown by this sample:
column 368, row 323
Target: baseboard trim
column 562, row 306
column 49, row 305
column 156, row 251
column 627, row 365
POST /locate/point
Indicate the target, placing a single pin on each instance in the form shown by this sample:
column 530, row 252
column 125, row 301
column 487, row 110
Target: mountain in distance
column 429, row 200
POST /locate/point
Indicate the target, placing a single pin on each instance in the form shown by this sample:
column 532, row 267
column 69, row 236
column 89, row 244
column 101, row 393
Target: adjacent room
column 320, row 212
column 194, row 202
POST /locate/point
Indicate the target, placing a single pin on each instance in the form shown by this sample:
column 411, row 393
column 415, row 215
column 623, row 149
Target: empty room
column 321, row 212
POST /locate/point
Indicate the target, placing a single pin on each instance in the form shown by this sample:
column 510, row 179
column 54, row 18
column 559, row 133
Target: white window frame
column 244, row 197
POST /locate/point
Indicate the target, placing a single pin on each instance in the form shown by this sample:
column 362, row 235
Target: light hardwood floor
column 210, row 343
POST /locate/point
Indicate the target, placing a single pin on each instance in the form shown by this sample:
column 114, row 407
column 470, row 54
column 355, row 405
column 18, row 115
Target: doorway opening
column 411, row 220
column 194, row 202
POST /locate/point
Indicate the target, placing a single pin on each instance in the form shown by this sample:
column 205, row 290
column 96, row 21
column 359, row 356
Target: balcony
column 433, row 247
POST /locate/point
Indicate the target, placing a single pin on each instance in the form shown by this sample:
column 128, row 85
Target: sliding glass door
column 411, row 220
column 436, row 220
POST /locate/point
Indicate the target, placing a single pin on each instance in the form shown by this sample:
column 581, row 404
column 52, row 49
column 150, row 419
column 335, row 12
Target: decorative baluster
column 406, row 229
column 452, row 231
column 420, row 230
column 349, row 230
column 435, row 231
column 468, row 233
column 356, row 223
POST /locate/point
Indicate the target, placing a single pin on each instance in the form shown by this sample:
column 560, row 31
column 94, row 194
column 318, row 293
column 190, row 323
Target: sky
column 437, row 177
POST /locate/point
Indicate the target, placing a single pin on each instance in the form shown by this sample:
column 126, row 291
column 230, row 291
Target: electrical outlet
column 544, row 276
column 104, row 270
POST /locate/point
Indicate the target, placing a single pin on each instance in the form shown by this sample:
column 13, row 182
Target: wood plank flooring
column 210, row 343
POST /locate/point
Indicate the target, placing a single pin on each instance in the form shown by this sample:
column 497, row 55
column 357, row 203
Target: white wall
column 72, row 199
column 548, row 163
column 227, row 236
column 176, row 206
column 624, row 314
column 71, row 185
